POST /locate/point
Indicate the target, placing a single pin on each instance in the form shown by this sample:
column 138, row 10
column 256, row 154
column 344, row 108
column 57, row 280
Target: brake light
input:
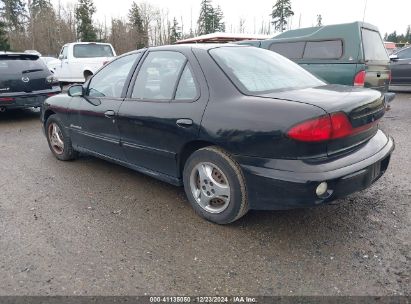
column 318, row 129
column 359, row 79
column 6, row 99
column 328, row 127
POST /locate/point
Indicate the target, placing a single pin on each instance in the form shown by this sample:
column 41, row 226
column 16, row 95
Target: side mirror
column 394, row 57
column 61, row 56
column 76, row 90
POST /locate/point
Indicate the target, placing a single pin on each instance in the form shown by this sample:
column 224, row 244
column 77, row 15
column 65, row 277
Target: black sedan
column 241, row 128
column 401, row 67
column 25, row 81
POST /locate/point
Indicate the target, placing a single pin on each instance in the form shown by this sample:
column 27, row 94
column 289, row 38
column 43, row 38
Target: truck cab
column 78, row 61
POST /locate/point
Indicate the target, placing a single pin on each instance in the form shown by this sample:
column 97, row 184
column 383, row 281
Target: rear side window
column 186, row 89
column 292, row 50
column 330, row 49
column 374, row 48
column 92, row 50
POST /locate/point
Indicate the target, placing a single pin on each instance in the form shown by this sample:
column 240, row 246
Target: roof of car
column 202, row 46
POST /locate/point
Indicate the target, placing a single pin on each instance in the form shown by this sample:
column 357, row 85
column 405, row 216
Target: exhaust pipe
column 2, row 109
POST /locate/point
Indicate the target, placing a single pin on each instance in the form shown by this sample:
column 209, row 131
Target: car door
column 94, row 121
column 162, row 111
column 401, row 68
column 63, row 70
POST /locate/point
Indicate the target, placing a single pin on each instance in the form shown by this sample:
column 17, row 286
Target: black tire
column 237, row 203
column 67, row 152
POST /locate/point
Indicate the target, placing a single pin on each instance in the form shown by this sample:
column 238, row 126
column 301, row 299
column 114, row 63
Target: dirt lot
column 93, row 228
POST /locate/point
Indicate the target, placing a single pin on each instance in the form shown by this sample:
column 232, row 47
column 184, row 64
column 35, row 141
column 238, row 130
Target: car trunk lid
column 362, row 107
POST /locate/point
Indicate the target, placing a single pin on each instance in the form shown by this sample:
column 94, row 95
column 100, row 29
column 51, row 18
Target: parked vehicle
column 349, row 54
column 25, row 81
column 78, row 61
column 47, row 59
column 401, row 67
column 241, row 128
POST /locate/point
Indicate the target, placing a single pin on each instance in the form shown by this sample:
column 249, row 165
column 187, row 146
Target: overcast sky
column 387, row 15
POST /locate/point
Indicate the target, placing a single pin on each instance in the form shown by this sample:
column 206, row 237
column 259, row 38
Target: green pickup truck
column 350, row 54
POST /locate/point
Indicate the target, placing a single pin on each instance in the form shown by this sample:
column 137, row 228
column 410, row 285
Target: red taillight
column 341, row 126
column 318, row 129
column 359, row 79
column 328, row 127
column 6, row 99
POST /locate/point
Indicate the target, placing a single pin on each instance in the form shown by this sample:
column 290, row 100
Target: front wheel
column 215, row 185
column 58, row 139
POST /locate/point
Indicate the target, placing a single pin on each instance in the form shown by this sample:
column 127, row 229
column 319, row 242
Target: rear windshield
column 20, row 64
column 261, row 71
column 373, row 46
column 92, row 50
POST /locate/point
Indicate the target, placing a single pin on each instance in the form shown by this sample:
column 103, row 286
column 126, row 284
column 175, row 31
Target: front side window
column 330, row 49
column 109, row 82
column 64, row 52
column 255, row 70
column 92, row 50
column 292, row 50
column 158, row 76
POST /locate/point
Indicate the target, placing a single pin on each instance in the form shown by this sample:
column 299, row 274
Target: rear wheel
column 58, row 139
column 215, row 185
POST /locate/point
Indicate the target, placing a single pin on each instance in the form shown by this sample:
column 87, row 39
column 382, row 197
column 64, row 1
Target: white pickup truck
column 79, row 60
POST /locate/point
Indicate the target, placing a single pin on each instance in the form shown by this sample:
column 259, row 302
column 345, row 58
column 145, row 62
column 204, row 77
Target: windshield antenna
column 365, row 9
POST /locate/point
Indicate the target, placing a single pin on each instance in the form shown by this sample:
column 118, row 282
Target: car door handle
column 184, row 122
column 109, row 114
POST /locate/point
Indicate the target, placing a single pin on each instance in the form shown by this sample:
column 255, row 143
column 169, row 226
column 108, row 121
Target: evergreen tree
column 408, row 34
column 4, row 43
column 205, row 20
column 84, row 18
column 281, row 11
column 136, row 21
column 13, row 14
column 39, row 7
column 218, row 24
column 210, row 19
column 393, row 37
column 319, row 20
column 175, row 33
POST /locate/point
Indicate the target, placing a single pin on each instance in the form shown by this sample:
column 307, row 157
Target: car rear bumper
column 287, row 184
column 27, row 100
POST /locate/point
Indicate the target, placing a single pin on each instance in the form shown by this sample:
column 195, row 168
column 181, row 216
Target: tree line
column 38, row 25
column 401, row 38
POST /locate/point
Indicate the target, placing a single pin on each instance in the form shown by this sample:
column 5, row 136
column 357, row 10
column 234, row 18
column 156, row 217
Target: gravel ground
column 89, row 227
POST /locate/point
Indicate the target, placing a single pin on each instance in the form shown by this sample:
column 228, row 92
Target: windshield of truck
column 92, row 50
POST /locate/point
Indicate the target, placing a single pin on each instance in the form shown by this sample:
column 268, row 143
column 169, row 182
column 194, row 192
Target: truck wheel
column 215, row 185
